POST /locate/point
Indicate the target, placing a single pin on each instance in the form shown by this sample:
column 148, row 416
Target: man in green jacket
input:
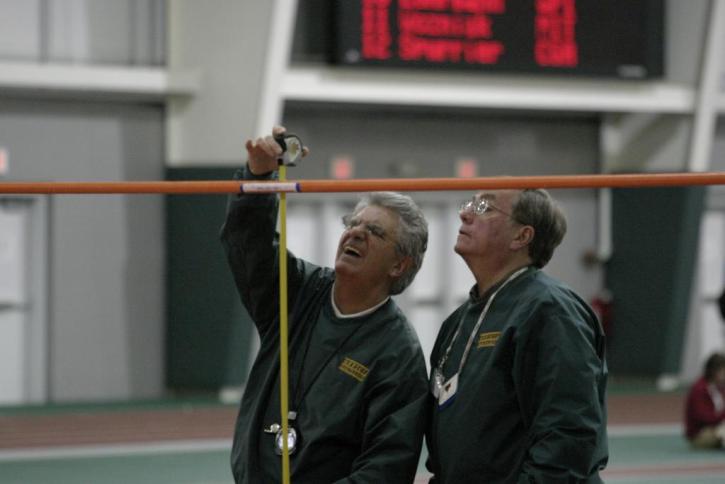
column 357, row 378
column 518, row 372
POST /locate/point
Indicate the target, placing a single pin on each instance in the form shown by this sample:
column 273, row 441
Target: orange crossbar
column 370, row 184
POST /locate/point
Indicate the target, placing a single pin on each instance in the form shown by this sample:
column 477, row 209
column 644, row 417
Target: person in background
column 705, row 406
column 357, row 374
column 518, row 376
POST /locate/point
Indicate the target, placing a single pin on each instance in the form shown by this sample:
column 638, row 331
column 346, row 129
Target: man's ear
column 400, row 267
column 524, row 236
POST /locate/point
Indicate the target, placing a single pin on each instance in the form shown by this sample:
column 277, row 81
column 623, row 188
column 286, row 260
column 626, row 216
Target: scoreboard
column 603, row 38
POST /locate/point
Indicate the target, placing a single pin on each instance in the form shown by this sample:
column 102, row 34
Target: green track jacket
column 359, row 385
column 530, row 405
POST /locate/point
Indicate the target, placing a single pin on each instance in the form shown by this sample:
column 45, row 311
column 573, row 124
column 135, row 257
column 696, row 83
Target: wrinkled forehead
column 377, row 214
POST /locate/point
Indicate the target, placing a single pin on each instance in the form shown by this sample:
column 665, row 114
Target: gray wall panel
column 20, row 29
column 121, row 32
column 106, row 299
column 105, row 31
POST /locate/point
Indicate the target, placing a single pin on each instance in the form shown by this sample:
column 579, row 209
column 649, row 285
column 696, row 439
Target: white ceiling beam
column 708, row 92
column 349, row 85
column 99, row 81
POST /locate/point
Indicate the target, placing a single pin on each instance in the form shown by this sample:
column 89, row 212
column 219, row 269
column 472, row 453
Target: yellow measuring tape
column 283, row 357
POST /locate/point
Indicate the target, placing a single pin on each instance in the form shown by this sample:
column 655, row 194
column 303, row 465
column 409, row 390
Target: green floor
column 208, row 467
column 668, row 455
column 633, row 459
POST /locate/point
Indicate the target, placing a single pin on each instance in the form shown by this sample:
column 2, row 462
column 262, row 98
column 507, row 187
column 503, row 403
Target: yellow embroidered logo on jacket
column 356, row 370
column 488, row 340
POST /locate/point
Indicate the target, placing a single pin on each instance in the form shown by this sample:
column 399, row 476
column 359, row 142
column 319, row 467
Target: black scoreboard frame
column 611, row 38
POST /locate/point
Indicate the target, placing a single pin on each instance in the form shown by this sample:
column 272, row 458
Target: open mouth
column 347, row 250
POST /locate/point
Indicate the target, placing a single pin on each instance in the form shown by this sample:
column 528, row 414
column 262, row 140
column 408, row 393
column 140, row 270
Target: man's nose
column 358, row 232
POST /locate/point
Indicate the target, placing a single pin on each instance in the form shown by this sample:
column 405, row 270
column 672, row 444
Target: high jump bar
column 367, row 185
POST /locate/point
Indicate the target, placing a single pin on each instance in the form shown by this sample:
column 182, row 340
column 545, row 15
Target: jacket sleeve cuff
column 245, row 173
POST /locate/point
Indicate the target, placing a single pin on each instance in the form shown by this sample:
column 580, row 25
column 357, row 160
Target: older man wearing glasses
column 357, row 378
column 518, row 375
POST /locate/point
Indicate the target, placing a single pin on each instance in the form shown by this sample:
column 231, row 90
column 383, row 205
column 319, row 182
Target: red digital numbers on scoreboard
column 450, row 31
column 555, row 34
column 376, row 38
column 622, row 38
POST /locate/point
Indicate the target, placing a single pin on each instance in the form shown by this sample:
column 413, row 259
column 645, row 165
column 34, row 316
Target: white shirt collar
column 364, row 312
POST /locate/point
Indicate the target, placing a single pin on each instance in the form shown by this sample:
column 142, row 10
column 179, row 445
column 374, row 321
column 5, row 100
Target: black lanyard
column 297, row 396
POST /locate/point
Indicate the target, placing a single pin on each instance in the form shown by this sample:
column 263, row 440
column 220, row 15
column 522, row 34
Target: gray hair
column 535, row 207
column 412, row 231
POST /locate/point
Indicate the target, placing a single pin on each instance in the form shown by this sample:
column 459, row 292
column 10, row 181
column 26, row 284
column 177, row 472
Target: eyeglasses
column 349, row 222
column 479, row 206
